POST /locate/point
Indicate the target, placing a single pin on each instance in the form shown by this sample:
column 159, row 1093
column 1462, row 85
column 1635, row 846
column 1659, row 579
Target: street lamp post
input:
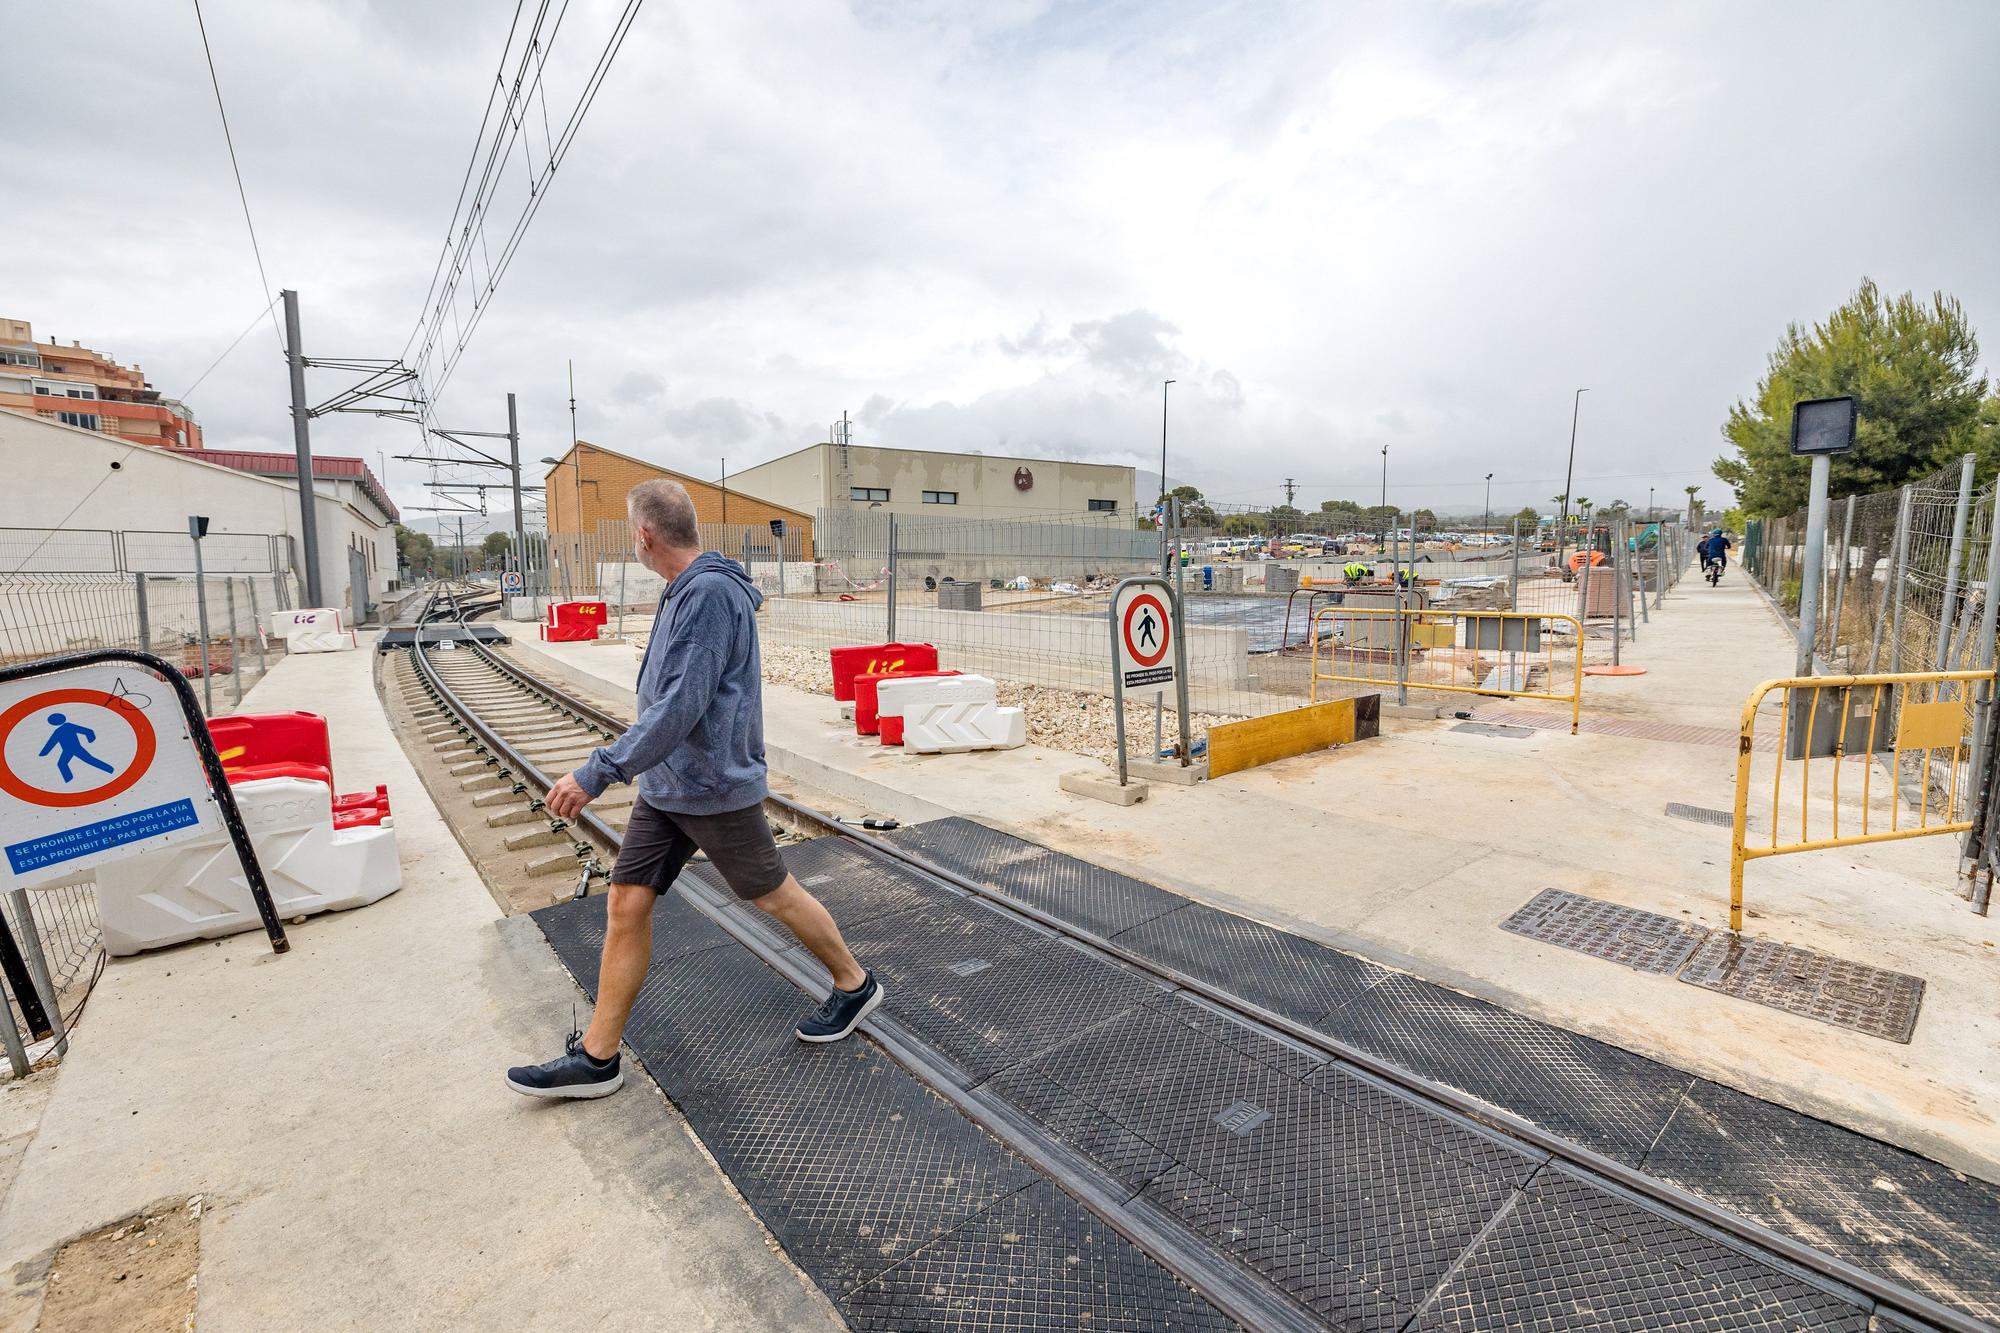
column 1569, row 474
column 1382, row 533
column 1163, row 440
column 1489, row 502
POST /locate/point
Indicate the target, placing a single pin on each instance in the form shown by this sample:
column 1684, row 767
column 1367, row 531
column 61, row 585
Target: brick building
column 602, row 477
column 75, row 386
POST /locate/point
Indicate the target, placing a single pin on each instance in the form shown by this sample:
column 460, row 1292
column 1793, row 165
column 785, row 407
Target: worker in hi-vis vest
column 1356, row 571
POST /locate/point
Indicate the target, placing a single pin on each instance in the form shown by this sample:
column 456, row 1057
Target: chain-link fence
column 56, row 928
column 1026, row 600
column 138, row 590
column 1903, row 578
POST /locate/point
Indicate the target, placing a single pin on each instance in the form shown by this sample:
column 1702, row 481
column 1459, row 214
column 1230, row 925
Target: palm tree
column 1692, row 491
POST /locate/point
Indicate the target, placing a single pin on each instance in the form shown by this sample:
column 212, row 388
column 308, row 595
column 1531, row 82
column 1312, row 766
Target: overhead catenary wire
column 254, row 320
column 235, row 170
column 426, row 362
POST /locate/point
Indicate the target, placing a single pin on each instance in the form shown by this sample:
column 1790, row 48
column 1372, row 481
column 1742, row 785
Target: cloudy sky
column 1000, row 225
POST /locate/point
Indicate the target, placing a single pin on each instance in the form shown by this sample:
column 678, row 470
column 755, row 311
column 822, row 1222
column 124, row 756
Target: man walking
column 697, row 753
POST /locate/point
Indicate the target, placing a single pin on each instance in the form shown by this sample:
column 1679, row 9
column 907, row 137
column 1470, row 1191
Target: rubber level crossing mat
column 909, row 1216
column 1893, row 1212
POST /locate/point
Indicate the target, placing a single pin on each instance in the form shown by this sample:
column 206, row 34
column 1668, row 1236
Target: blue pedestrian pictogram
column 64, row 736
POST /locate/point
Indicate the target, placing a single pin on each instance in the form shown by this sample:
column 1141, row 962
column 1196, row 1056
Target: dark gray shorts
column 738, row 843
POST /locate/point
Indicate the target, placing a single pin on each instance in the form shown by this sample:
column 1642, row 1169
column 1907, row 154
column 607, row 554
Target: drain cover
column 1815, row 985
column 1494, row 729
column 1611, row 931
column 1239, row 1118
column 1701, row 814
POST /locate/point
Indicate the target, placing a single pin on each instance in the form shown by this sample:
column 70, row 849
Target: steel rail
column 1711, row 1217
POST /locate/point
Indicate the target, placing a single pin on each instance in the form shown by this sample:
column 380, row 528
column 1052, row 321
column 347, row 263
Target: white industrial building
column 919, row 481
column 113, row 485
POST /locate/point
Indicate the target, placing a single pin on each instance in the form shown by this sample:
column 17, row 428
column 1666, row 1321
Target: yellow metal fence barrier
column 1915, row 721
column 1501, row 654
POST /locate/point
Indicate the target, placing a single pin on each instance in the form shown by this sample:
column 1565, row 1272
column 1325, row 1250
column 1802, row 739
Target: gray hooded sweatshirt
column 698, row 746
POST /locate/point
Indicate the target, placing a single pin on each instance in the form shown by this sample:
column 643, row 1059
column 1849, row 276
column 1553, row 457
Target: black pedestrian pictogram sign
column 86, row 776
column 1145, row 640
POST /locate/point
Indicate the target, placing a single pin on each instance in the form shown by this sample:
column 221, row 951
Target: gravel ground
column 1069, row 720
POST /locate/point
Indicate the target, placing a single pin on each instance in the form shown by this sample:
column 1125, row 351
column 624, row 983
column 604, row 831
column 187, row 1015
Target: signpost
column 1821, row 428
column 1147, row 655
column 512, row 583
column 104, row 755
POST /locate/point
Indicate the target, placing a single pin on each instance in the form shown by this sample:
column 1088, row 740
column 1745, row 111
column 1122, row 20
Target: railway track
column 502, row 735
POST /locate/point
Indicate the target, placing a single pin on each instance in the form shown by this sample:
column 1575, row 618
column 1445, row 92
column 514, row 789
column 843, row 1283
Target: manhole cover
column 1494, row 729
column 1701, row 814
column 1611, row 931
column 1814, row 985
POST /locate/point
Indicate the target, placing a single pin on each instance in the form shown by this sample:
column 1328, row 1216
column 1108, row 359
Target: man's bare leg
column 621, row 968
column 808, row 920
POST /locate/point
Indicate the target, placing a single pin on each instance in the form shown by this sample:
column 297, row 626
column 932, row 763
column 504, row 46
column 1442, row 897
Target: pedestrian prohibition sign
column 95, row 764
column 1145, row 641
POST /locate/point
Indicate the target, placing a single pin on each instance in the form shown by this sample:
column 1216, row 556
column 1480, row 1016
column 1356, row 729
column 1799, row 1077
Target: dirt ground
column 135, row 1276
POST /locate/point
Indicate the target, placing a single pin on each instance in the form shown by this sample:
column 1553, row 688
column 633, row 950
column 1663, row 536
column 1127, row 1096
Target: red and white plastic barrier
column 876, row 659
column 195, row 890
column 313, row 630
column 573, row 622
column 867, row 697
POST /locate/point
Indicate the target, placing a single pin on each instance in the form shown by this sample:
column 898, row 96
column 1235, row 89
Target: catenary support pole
column 514, row 477
column 295, row 357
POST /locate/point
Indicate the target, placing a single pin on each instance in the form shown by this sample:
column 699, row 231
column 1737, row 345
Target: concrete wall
column 49, row 467
column 985, row 484
column 642, row 588
column 608, row 476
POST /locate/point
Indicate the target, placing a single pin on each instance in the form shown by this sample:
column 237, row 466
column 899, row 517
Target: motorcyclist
column 1714, row 547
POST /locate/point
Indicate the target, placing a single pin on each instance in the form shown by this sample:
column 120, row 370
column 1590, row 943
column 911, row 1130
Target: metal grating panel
column 1867, row 1201
column 1090, row 896
column 1569, row 1255
column 1614, row 932
column 848, row 1159
column 1808, row 983
column 575, row 927
column 986, row 991
column 1282, row 1054
column 1261, row 964
column 1701, row 814
column 1602, row 1097
column 1035, row 1260
column 1494, row 729
column 856, row 887
column 1351, row 1198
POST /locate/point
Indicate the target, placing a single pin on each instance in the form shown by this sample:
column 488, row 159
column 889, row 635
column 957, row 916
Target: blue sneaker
column 842, row 1012
column 573, row 1074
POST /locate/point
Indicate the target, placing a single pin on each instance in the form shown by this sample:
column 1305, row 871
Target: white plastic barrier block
column 894, row 696
column 952, row 728
column 306, row 620
column 196, row 890
column 321, row 641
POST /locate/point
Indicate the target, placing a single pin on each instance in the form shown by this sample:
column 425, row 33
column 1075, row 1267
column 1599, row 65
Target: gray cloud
column 1339, row 227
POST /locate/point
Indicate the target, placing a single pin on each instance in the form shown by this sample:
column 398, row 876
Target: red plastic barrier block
column 892, row 729
column 284, row 769
column 875, row 659
column 361, row 808
column 867, row 702
column 567, row 633
column 574, row 622
column 249, row 740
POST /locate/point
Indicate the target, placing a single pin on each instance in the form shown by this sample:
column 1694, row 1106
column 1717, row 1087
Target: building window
column 1103, row 506
column 879, row 494
column 87, row 420
column 940, row 497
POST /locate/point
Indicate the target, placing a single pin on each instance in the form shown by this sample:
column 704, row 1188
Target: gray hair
column 663, row 508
